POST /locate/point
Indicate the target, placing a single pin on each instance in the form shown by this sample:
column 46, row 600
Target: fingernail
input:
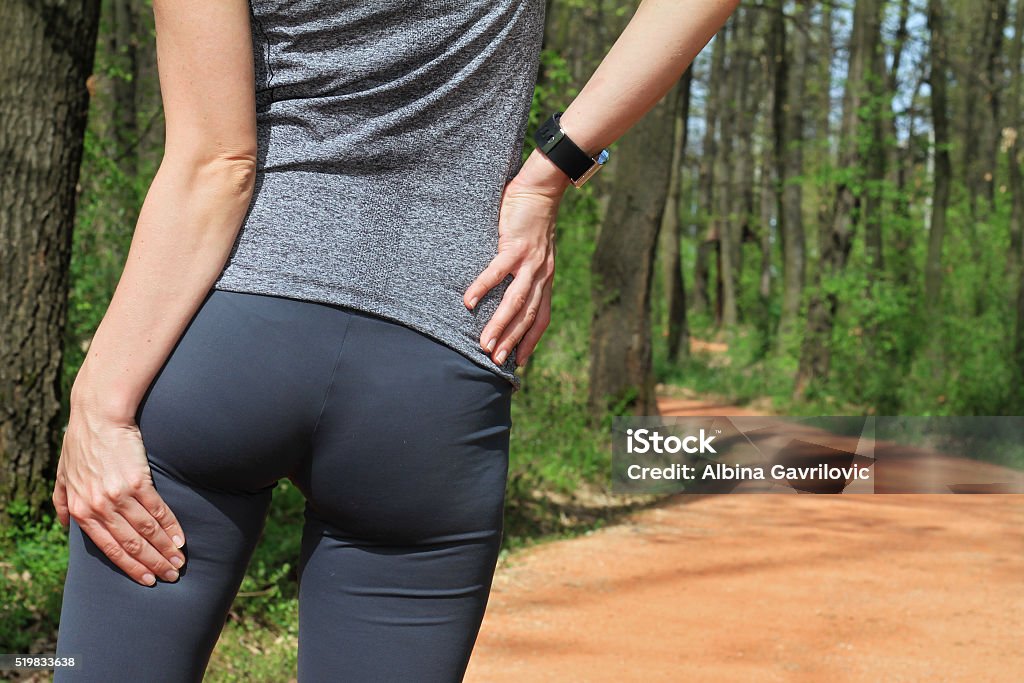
column 178, row 541
column 177, row 562
column 148, row 579
column 171, row 575
column 501, row 356
column 472, row 302
column 490, row 345
column 522, row 361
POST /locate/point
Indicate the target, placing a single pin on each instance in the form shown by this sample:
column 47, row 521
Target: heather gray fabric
column 400, row 447
column 387, row 131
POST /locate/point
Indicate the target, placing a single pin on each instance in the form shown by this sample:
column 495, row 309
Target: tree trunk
column 901, row 164
column 981, row 78
column 46, row 56
column 1017, row 395
column 835, row 235
column 1013, row 152
column 724, row 220
column 741, row 211
column 621, row 376
column 123, row 42
column 1013, row 146
column 790, row 142
column 995, row 26
column 940, row 192
column 873, row 151
column 706, row 183
column 675, row 288
column 893, row 83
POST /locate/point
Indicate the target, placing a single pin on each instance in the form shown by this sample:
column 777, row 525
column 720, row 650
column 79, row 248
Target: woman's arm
column 656, row 47
column 185, row 231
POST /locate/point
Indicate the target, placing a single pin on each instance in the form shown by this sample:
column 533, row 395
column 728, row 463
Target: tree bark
column 708, row 245
column 1016, row 182
column 995, row 26
column 900, row 163
column 835, row 235
column 940, row 192
column 743, row 108
column 46, row 56
column 1013, row 143
column 981, row 74
column 725, row 219
column 621, row 375
column 790, row 142
column 877, row 101
column 675, row 288
column 123, row 44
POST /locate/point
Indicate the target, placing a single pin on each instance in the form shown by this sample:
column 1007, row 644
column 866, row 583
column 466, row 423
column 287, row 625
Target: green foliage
column 31, row 579
column 553, row 91
column 104, row 224
column 249, row 652
column 269, row 592
column 889, row 355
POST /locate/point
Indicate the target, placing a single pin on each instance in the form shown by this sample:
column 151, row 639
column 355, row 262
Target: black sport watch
column 565, row 154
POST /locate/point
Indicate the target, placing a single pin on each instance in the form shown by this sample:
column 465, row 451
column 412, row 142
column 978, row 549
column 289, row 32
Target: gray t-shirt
column 387, row 130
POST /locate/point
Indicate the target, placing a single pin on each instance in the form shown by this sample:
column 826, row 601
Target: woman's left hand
column 526, row 250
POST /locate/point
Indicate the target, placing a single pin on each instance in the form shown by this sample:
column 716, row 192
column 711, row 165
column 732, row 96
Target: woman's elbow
column 232, row 166
column 230, row 176
column 237, row 171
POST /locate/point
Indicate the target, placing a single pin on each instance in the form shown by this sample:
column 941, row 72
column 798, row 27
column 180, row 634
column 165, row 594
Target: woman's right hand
column 526, row 250
column 104, row 482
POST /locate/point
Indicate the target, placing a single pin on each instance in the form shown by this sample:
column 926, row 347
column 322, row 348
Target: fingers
column 60, row 499
column 128, row 528
column 117, row 553
column 525, row 251
column 523, row 320
column 133, row 538
column 530, row 340
column 170, row 536
column 491, row 277
column 516, row 297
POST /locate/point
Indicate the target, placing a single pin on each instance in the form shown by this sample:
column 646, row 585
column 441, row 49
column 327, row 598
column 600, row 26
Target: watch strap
column 561, row 150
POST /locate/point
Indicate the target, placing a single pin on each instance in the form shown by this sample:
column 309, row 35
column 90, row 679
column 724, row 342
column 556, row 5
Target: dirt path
column 750, row 587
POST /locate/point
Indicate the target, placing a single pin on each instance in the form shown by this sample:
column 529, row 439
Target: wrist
column 110, row 403
column 578, row 134
column 561, row 150
column 539, row 174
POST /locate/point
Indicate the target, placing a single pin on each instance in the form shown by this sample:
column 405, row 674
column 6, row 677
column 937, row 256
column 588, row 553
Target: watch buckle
column 589, row 173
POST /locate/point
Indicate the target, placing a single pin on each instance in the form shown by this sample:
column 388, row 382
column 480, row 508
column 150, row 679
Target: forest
column 824, row 216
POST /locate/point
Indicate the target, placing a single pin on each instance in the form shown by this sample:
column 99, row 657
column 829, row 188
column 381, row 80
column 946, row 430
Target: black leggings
column 400, row 446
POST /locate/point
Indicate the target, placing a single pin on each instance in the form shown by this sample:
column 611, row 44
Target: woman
column 336, row 270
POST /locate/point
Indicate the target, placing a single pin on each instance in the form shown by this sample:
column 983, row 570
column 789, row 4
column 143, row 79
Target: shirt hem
column 381, row 305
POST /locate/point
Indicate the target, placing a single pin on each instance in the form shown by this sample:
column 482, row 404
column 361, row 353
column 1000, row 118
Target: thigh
column 229, row 413
column 120, row 630
column 406, row 488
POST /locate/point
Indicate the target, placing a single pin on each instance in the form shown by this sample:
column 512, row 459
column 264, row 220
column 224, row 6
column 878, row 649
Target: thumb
column 60, row 500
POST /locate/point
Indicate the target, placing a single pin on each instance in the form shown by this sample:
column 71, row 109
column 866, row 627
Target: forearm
column 658, row 44
column 186, row 228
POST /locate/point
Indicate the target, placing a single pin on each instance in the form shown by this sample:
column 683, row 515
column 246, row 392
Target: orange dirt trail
column 759, row 587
